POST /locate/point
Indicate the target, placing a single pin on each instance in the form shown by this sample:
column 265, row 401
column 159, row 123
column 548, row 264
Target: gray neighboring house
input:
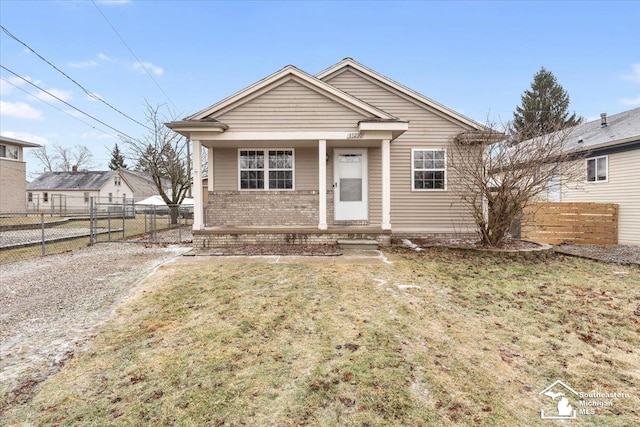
column 13, row 174
column 611, row 170
column 72, row 191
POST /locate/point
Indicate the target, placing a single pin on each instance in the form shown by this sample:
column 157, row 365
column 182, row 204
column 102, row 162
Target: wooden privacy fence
column 572, row 223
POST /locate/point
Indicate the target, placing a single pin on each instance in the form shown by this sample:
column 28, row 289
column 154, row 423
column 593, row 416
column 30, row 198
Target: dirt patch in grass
column 436, row 338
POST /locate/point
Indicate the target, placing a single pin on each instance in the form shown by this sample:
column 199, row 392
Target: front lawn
column 436, row 338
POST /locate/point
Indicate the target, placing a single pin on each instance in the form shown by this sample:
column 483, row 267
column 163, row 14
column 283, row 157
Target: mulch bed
column 294, row 250
column 619, row 254
column 469, row 243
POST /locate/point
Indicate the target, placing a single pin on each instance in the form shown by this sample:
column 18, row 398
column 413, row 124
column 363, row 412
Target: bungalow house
column 345, row 153
column 13, row 174
column 72, row 191
column 611, row 170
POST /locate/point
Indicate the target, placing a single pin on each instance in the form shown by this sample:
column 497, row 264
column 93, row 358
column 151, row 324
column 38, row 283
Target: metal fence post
column 124, row 215
column 109, row 222
column 42, row 232
column 91, row 216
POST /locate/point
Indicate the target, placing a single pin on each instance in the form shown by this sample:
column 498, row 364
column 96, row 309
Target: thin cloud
column 19, row 110
column 83, row 64
column 104, row 57
column 8, row 84
column 149, row 66
column 635, row 73
column 113, row 2
column 94, row 97
column 96, row 135
column 631, row 101
column 65, row 95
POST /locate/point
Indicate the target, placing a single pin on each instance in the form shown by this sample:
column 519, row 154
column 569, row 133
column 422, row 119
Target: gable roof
column 447, row 112
column 87, row 181
column 286, row 73
column 621, row 128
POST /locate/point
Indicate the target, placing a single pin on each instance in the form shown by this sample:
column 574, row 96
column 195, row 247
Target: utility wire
column 63, row 101
column 54, row 106
column 89, row 93
column 132, row 53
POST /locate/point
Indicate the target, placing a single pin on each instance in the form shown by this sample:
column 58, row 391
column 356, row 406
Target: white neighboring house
column 611, row 170
column 13, row 175
column 72, row 191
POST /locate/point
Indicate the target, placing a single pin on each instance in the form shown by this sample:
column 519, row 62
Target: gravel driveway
column 50, row 307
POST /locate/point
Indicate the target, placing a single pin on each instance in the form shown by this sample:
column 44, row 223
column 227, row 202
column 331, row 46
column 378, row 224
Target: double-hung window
column 597, row 169
column 428, row 169
column 266, row 169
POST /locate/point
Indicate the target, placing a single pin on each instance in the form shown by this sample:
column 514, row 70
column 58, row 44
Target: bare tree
column 161, row 155
column 47, row 160
column 498, row 178
column 64, row 158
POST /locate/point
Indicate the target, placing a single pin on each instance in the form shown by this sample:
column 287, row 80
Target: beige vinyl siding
column 225, row 170
column 420, row 211
column 306, row 171
column 622, row 187
column 291, row 106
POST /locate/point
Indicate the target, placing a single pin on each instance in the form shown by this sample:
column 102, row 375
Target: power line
column 89, row 93
column 53, row 106
column 132, row 53
column 63, row 101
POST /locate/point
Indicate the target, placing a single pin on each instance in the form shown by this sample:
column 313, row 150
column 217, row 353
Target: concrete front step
column 358, row 244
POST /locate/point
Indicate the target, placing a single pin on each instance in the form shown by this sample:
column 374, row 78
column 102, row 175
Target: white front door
column 350, row 184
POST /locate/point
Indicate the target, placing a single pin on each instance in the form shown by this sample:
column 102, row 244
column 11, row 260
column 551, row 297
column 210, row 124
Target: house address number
column 354, row 135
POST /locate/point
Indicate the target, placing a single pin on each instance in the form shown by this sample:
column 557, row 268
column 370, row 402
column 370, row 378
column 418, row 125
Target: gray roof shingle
column 621, row 128
column 89, row 180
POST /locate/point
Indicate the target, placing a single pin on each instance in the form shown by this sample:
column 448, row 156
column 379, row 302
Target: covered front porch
column 328, row 186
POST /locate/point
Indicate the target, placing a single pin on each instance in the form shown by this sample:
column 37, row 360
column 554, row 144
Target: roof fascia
column 445, row 111
column 290, row 70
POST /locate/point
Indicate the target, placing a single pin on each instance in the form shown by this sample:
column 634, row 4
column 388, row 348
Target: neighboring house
column 348, row 152
column 611, row 170
column 13, row 174
column 72, row 191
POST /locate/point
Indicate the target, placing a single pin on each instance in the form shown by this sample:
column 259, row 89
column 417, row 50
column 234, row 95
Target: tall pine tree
column 544, row 108
column 117, row 159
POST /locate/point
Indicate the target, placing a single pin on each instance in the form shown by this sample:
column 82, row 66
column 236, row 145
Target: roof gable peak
column 283, row 73
column 416, row 96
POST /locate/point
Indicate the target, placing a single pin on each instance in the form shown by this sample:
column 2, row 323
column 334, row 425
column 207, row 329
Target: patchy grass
column 436, row 338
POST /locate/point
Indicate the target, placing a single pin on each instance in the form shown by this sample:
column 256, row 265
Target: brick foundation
column 213, row 238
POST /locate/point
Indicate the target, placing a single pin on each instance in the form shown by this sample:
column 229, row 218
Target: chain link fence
column 73, row 224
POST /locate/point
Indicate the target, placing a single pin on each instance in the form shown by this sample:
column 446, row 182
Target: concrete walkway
column 349, row 256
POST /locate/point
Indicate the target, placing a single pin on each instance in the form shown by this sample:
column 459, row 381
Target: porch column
column 198, row 223
column 386, row 184
column 322, row 184
column 209, row 168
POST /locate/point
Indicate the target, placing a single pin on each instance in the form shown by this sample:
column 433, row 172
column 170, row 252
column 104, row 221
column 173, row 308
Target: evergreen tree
column 117, row 159
column 544, row 108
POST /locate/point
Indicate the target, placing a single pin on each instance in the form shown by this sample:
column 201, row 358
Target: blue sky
column 475, row 57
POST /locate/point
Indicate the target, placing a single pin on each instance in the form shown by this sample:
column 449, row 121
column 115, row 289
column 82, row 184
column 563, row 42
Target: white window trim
column 606, row 157
column 266, row 169
column 413, row 150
